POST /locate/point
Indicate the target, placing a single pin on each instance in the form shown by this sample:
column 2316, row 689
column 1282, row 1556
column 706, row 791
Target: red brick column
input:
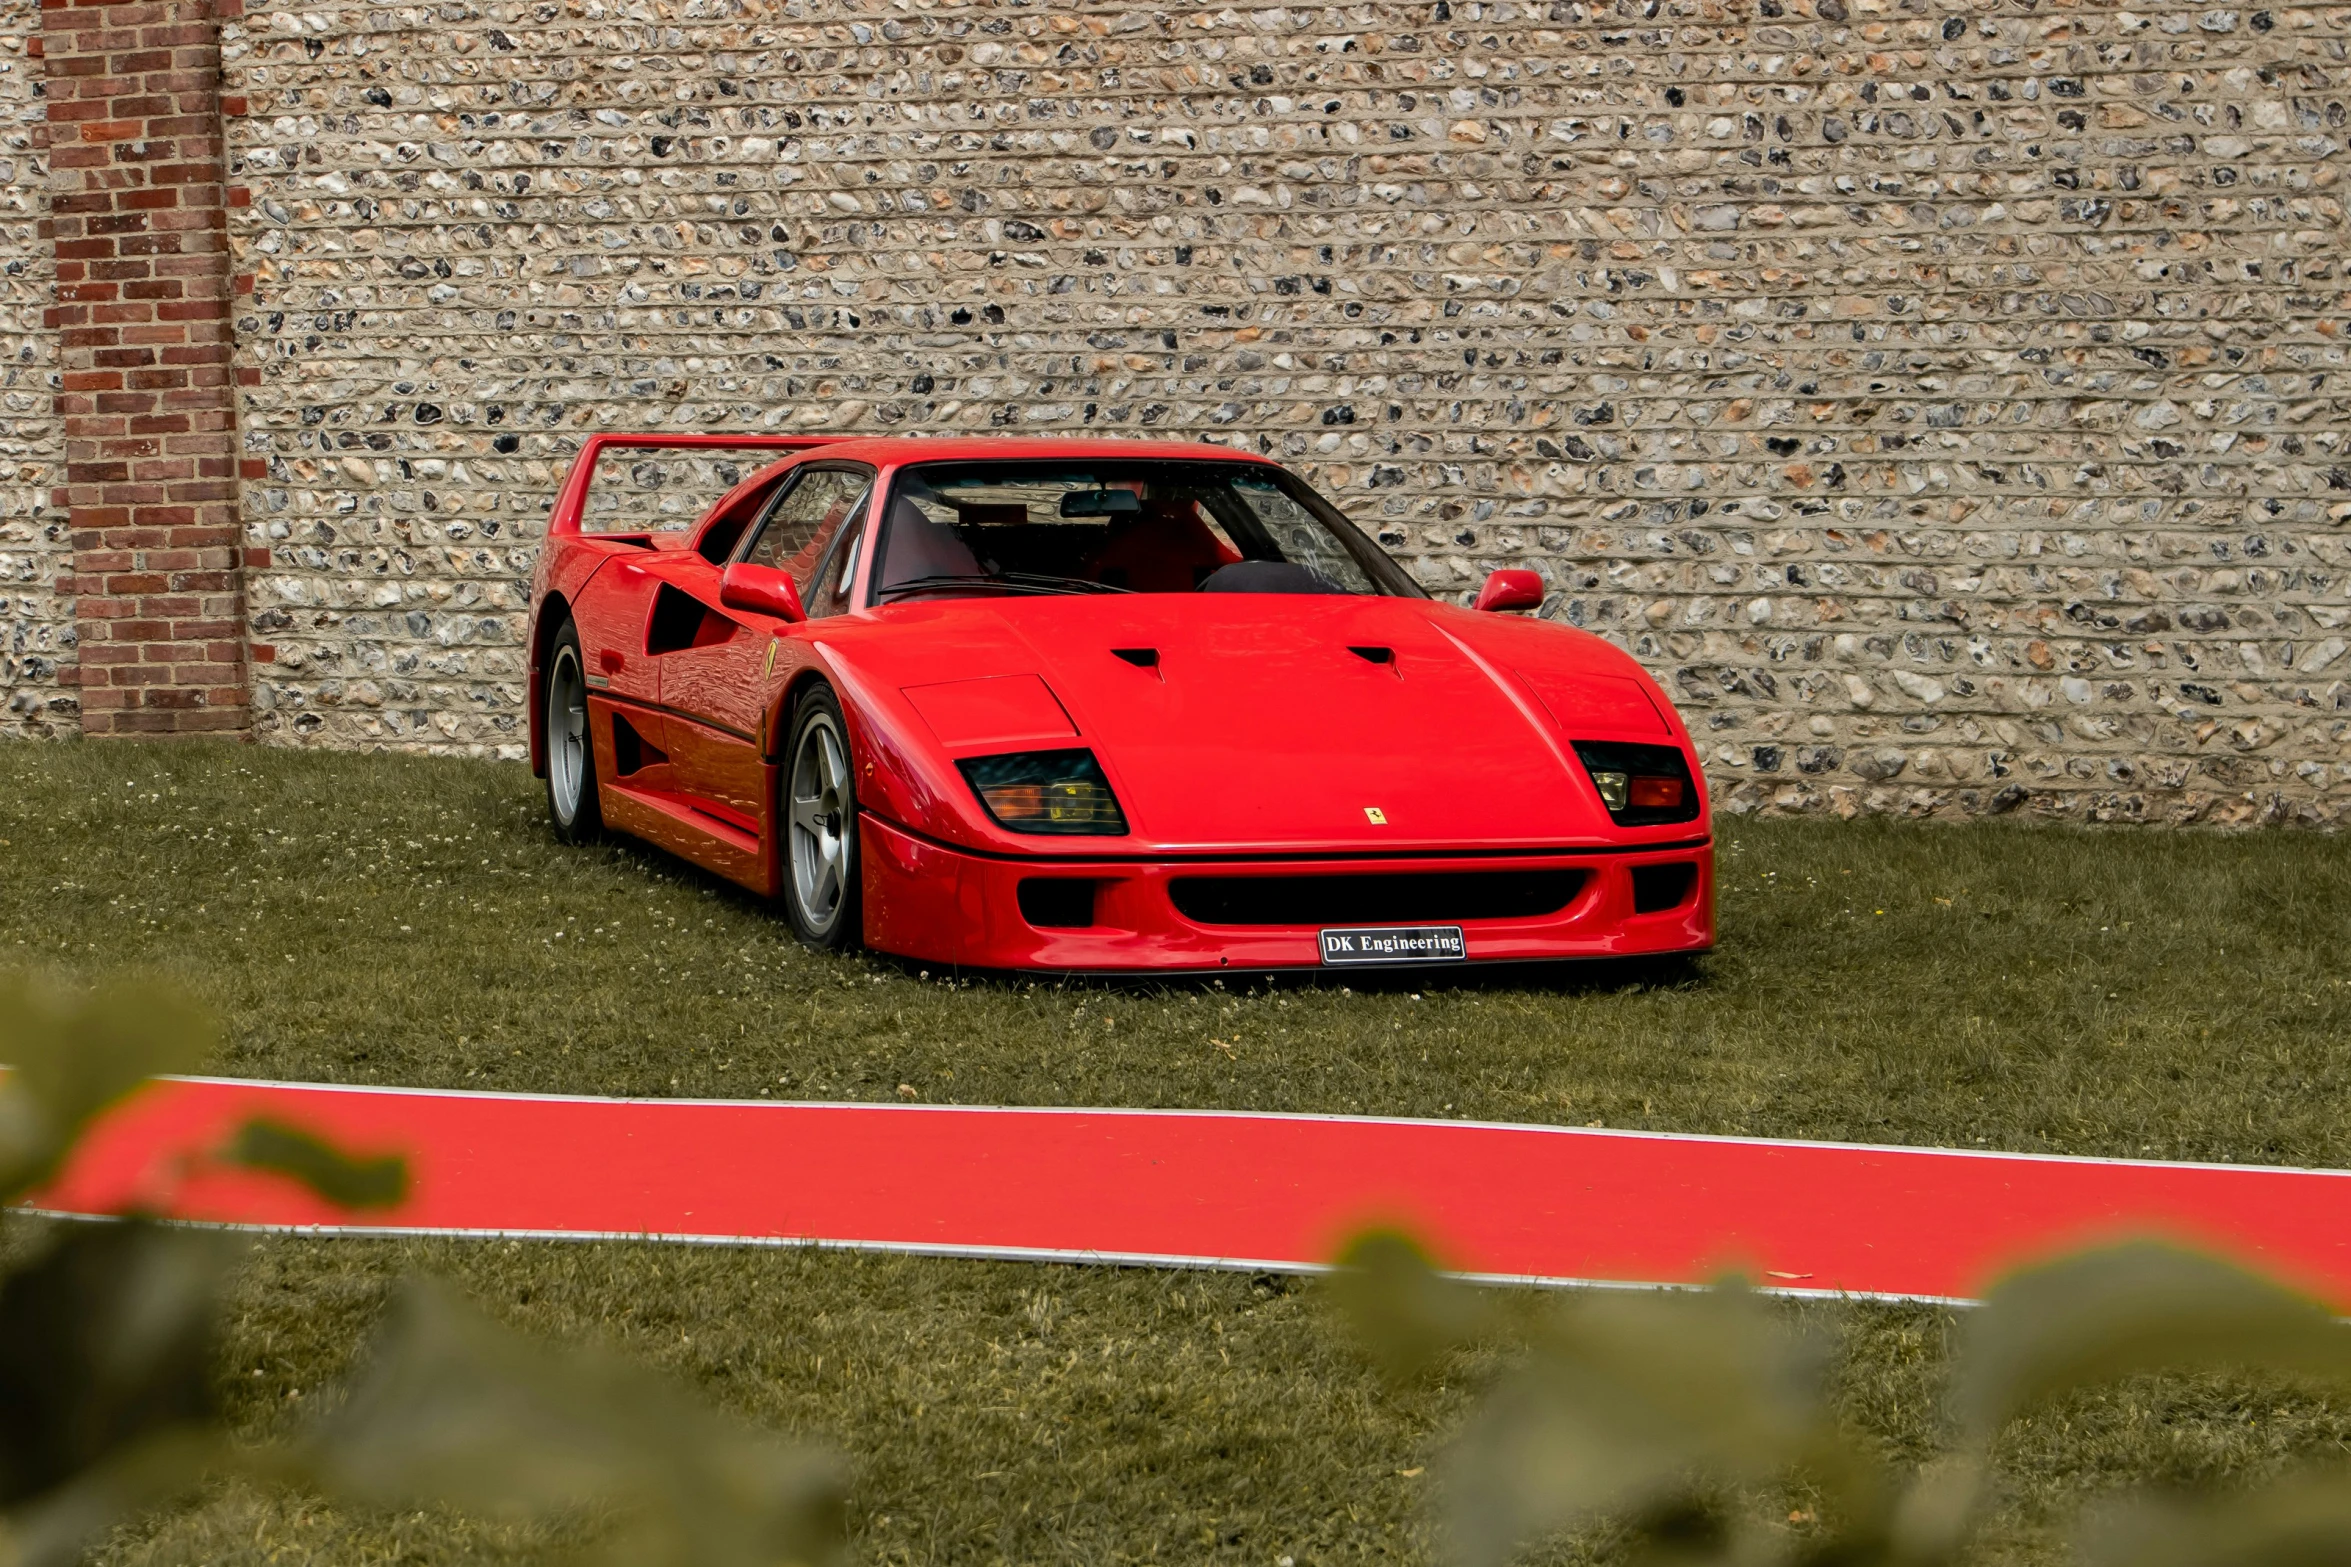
column 142, row 317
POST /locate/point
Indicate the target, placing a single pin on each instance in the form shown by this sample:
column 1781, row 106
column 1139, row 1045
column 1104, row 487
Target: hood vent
column 1140, row 657
column 1374, row 655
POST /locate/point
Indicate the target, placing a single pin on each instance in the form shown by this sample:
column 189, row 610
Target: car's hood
column 1252, row 723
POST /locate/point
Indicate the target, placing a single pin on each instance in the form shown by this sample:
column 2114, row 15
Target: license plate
column 1394, row 944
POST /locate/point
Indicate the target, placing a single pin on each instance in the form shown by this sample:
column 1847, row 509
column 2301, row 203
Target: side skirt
column 693, row 830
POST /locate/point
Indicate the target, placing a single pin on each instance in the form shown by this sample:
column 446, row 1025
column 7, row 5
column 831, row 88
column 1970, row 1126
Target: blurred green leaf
column 56, row 1529
column 452, row 1408
column 2303, row 1523
column 1932, row 1520
column 106, row 1336
column 1404, row 1311
column 72, row 1055
column 1662, row 1412
column 107, row 1342
column 334, row 1175
column 2120, row 1310
column 1645, row 1406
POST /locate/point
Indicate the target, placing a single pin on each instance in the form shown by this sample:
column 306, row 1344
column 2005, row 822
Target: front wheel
column 821, row 874
column 572, row 803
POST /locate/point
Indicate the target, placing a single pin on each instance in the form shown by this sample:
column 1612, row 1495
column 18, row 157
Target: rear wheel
column 821, row 872
column 572, row 804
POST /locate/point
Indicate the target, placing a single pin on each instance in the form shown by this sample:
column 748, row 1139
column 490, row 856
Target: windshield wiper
column 1036, row 583
column 951, row 579
column 1066, row 584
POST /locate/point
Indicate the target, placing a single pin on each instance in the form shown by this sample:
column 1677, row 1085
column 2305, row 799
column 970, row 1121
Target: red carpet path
column 1278, row 1192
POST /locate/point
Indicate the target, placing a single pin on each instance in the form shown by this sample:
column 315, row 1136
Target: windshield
column 957, row 529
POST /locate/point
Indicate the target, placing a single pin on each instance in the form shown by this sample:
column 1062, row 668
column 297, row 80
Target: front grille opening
column 1057, row 902
column 1657, row 888
column 1389, row 898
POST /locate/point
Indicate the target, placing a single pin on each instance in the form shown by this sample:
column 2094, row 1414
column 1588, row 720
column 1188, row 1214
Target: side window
column 844, row 577
column 808, row 518
column 835, row 574
column 718, row 541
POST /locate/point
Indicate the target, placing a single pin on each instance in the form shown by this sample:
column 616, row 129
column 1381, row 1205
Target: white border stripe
column 1114, row 1259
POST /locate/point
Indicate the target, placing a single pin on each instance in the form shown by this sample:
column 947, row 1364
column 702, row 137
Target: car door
column 624, row 684
column 715, row 663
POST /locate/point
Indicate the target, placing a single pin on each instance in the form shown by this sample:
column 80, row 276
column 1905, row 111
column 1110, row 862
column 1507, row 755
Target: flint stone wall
column 1946, row 402
column 36, row 549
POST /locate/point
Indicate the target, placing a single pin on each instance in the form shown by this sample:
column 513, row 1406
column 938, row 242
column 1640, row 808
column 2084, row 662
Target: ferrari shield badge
column 1376, row 816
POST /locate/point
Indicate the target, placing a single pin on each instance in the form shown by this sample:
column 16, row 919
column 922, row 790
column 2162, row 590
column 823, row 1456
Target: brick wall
column 36, row 622
column 1946, row 401
column 141, row 322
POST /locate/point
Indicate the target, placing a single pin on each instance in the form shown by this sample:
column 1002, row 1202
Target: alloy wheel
column 567, row 734
column 820, row 823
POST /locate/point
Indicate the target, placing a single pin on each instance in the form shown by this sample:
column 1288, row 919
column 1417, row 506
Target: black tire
column 816, row 810
column 573, row 806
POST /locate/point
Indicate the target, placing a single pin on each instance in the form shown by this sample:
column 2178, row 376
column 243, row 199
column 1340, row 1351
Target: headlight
column 1642, row 785
column 1046, row 791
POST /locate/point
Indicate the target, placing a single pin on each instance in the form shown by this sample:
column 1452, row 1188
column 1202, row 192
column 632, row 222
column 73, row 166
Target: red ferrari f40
column 1090, row 705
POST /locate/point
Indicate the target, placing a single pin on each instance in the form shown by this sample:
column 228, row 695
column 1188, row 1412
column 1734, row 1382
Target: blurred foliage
column 1670, row 1416
column 264, row 1144
column 109, row 1338
column 69, row 1057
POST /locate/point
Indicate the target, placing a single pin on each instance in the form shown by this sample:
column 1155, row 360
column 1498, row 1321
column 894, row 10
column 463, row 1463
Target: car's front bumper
column 930, row 902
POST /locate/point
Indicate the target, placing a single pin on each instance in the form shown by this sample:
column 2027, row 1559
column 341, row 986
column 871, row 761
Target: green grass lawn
column 408, row 920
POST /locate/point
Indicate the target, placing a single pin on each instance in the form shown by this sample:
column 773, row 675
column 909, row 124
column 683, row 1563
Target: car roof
column 888, row 450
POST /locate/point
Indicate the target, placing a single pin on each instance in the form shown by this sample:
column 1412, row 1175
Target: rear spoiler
column 572, row 500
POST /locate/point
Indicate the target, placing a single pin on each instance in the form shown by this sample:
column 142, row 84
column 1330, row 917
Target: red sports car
column 1101, row 705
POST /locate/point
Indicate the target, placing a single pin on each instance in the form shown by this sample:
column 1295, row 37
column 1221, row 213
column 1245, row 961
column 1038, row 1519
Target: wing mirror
column 1507, row 590
column 763, row 590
